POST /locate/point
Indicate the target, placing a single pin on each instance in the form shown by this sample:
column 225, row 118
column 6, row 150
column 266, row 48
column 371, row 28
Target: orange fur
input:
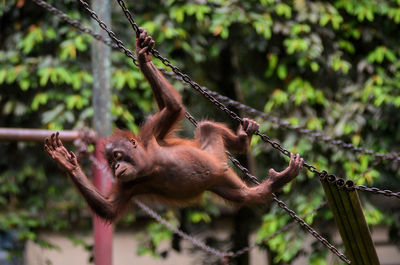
column 156, row 165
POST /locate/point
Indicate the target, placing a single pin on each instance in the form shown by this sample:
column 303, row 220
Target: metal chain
column 210, row 95
column 311, row 133
column 110, row 33
column 74, row 23
column 104, row 169
column 297, row 219
column 194, row 241
column 332, row 248
column 201, row 90
column 249, row 110
column 221, row 106
column 276, row 233
column 179, row 232
column 186, row 78
column 281, row 204
column 129, row 53
column 387, row 193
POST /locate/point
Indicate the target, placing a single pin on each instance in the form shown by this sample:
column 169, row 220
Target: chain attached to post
column 212, row 97
column 119, row 45
column 284, row 124
column 221, row 106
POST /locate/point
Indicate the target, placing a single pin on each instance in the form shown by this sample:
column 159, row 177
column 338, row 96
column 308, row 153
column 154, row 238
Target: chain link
column 297, row 219
column 249, row 110
column 110, row 33
column 387, row 193
column 75, row 23
column 223, row 99
column 179, row 232
column 276, row 233
column 213, row 97
column 105, row 171
column 310, row 133
column 314, row 233
column 186, row 78
column 221, row 106
column 281, row 204
column 84, row 150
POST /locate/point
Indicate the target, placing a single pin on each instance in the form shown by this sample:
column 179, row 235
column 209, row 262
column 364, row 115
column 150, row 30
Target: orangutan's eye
column 133, row 141
column 117, row 155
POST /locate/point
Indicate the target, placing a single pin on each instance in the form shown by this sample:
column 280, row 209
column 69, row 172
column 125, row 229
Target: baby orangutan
column 158, row 163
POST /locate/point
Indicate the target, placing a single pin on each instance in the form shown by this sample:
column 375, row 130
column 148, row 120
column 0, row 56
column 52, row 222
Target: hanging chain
column 281, row 204
column 206, row 93
column 221, row 106
column 110, row 33
column 297, row 219
column 104, row 169
column 210, row 95
column 387, row 193
column 276, row 233
column 119, row 45
column 179, row 232
column 311, row 133
column 198, row 88
column 186, row 78
column 249, row 110
column 84, row 150
column 75, row 23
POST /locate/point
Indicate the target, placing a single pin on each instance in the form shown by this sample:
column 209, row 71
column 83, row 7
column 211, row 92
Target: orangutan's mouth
column 121, row 173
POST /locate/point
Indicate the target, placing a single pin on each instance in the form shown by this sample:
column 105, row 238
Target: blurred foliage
column 331, row 66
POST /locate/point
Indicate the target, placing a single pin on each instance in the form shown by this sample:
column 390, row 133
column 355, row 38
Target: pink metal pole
column 101, row 98
column 35, row 135
column 103, row 232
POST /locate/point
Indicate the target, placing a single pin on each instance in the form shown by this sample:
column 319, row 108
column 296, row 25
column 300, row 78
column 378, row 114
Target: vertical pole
column 349, row 217
column 103, row 232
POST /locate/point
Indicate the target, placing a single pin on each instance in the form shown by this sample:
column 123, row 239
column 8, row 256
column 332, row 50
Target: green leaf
column 44, row 74
column 178, row 13
column 281, row 71
column 24, row 84
column 39, row 99
column 3, row 75
column 314, row 66
column 282, row 9
column 198, row 216
column 50, row 33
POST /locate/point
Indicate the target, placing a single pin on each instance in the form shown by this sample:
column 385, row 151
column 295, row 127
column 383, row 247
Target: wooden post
column 349, row 217
column 341, row 221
